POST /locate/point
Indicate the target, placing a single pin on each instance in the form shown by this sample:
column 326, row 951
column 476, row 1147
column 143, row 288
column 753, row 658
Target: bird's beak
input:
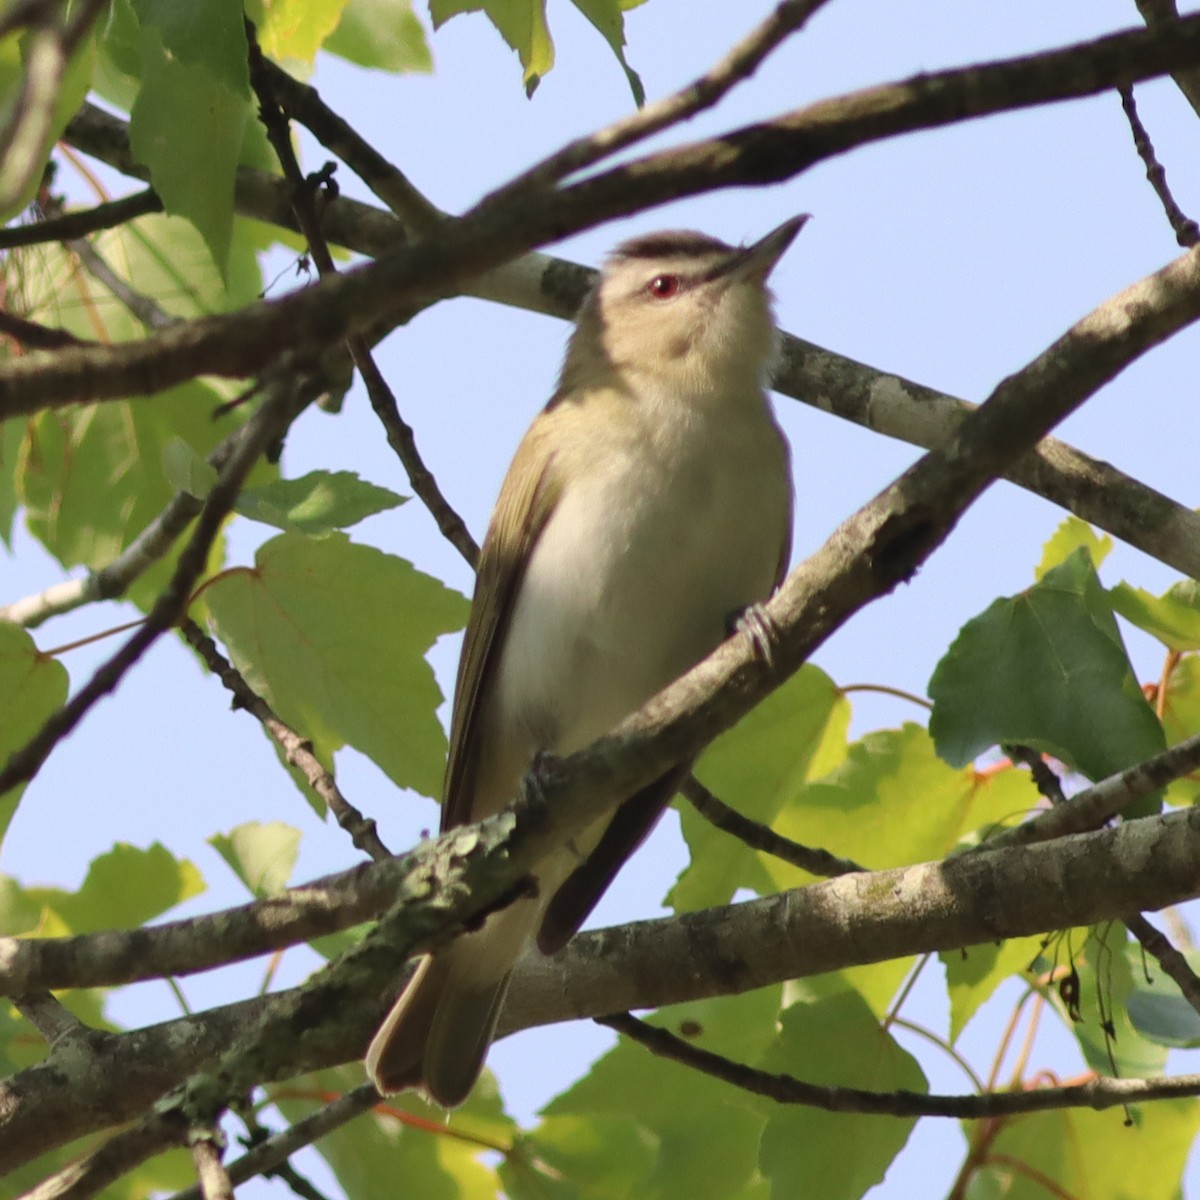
column 758, row 259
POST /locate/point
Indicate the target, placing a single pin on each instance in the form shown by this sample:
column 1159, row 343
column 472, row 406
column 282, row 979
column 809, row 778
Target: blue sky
column 950, row 257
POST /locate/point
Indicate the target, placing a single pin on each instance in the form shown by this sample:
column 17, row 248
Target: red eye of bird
column 663, row 287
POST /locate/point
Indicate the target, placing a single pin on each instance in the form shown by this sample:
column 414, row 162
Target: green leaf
column 894, row 802
column 1078, row 1152
column 316, row 503
column 1173, row 618
column 125, row 888
column 186, row 471
column 294, row 29
column 521, row 23
column 436, row 1159
column 1071, row 535
column 580, row 1158
column 72, row 88
column 975, row 972
column 11, row 434
column 93, row 477
column 211, row 36
column 1181, row 719
column 835, row 1041
column 334, row 636
column 194, row 175
column 261, row 855
column 1157, row 1008
column 607, row 18
column 1105, row 964
column 691, row 1137
column 1048, row 669
column 759, row 767
column 384, row 34
column 32, row 687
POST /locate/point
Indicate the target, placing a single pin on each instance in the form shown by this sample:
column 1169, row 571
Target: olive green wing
column 527, row 498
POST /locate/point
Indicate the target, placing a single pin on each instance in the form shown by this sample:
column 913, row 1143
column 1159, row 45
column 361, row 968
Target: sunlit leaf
column 261, row 855
column 759, row 768
column 385, row 34
column 317, row 503
column 974, row 973
column 372, row 1153
column 1071, row 535
column 294, row 29
column 703, row 1133
column 835, row 1041
column 1173, row 618
column 1078, row 1152
column 32, row 687
column 125, row 888
column 334, row 635
column 521, row 23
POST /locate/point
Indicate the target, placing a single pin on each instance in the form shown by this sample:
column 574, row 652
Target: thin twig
column 289, row 394
column 1174, row 964
column 72, row 225
column 385, row 179
column 296, row 750
column 1045, row 780
column 267, row 1155
column 399, row 433
column 761, row 837
column 32, row 335
column 89, row 1176
column 739, row 64
column 1098, row 1093
column 148, row 311
column 1187, row 232
column 1094, row 806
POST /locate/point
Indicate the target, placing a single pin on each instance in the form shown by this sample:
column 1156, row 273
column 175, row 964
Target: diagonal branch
column 878, row 400
column 515, row 220
column 287, row 395
column 851, row 920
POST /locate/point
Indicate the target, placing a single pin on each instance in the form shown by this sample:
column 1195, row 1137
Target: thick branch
column 854, row 919
column 515, row 220
column 878, row 400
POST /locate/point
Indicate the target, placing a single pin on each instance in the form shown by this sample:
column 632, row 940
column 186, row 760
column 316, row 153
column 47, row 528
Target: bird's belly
column 628, row 587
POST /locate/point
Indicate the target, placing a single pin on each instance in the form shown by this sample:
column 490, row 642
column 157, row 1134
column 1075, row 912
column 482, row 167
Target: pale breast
column 652, row 548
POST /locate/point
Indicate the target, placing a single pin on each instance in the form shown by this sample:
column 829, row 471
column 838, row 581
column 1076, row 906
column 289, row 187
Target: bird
column 646, row 511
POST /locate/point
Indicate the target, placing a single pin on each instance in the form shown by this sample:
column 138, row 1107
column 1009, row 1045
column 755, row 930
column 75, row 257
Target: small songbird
column 647, row 508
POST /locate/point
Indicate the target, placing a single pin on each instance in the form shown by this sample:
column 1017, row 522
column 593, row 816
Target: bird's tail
column 439, row 1030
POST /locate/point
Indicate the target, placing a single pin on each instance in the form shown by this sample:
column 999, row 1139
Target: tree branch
column 878, row 400
column 267, row 1155
column 848, row 921
column 296, row 750
column 287, row 395
column 1098, row 1093
column 514, row 220
column 761, row 837
column 878, row 546
column 73, row 225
